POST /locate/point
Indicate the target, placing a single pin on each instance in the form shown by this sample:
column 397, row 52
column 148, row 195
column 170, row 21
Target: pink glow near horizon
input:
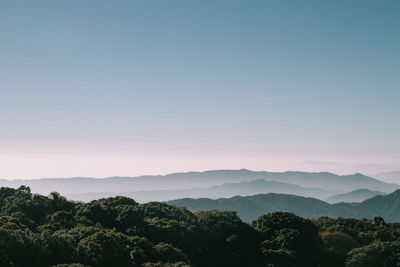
column 31, row 160
column 31, row 166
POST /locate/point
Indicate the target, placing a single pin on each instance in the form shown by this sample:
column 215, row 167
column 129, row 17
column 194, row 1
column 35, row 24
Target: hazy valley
column 209, row 184
column 250, row 193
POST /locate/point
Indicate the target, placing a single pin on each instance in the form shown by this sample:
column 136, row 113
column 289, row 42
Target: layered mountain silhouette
column 251, row 207
column 354, row 196
column 217, row 191
column 203, row 184
column 250, row 193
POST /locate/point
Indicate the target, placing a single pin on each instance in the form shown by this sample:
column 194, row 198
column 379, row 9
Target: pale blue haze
column 197, row 85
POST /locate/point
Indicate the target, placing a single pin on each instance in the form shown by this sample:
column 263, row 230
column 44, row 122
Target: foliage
column 50, row 231
column 70, row 265
column 337, row 245
column 111, row 248
column 383, row 254
column 289, row 236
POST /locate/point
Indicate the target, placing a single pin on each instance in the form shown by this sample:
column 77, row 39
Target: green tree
column 293, row 235
column 167, row 253
column 337, row 245
column 382, row 254
column 114, row 212
column 222, row 239
column 111, row 248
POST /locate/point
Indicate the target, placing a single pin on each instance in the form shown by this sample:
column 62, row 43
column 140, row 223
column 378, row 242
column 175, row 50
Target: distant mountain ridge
column 329, row 182
column 358, row 195
column 250, row 207
column 217, row 191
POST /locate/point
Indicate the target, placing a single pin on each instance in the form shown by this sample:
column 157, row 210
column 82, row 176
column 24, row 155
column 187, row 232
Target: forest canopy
column 38, row 230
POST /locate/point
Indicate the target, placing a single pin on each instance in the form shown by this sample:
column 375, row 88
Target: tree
column 111, row 248
column 222, row 239
column 382, row 254
column 163, row 210
column 167, row 253
column 293, row 235
column 70, row 265
column 114, row 212
column 20, row 248
column 337, row 245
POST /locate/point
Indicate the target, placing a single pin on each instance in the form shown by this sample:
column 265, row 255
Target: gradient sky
column 103, row 88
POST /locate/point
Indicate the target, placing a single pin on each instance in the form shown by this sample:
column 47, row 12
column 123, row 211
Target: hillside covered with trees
column 250, row 208
column 36, row 230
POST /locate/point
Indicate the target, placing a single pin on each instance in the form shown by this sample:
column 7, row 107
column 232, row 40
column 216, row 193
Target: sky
column 125, row 88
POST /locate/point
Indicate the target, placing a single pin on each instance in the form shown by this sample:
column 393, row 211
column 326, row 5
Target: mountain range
column 211, row 184
column 354, row 196
column 225, row 190
column 250, row 193
column 251, row 207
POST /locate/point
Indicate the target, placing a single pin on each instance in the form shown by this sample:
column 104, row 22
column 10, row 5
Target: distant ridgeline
column 36, row 230
column 213, row 184
column 251, row 207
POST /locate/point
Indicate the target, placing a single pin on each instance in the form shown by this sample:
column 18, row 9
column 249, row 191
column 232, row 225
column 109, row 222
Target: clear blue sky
column 99, row 88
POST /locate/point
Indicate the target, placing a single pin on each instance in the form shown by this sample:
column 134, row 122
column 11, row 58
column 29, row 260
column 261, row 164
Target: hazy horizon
column 344, row 173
